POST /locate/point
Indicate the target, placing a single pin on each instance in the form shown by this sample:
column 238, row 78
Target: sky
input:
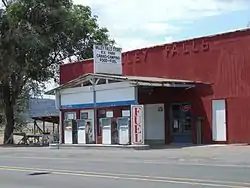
column 142, row 23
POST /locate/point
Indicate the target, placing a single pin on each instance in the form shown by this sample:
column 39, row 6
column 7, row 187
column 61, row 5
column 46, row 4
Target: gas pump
column 123, row 124
column 106, row 130
column 67, row 131
column 70, row 132
column 81, row 131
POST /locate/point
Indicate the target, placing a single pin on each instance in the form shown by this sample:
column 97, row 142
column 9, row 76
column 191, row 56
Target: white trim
column 101, row 87
column 162, row 84
column 144, row 81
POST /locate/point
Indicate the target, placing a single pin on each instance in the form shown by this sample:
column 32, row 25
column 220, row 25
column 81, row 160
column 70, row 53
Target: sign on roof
column 107, row 59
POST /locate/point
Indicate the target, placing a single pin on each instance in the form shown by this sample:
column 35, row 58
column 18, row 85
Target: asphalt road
column 207, row 167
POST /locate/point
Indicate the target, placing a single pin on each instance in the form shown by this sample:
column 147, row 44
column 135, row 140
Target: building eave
column 134, row 80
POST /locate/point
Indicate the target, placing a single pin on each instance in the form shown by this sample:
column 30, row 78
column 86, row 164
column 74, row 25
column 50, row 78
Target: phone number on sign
column 105, row 60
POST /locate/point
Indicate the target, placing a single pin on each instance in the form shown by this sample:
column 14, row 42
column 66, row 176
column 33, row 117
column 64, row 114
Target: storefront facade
column 110, row 100
column 222, row 61
column 114, row 96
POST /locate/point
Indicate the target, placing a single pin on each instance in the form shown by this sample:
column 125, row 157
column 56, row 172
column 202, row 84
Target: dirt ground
column 16, row 138
column 1, row 135
column 1, row 138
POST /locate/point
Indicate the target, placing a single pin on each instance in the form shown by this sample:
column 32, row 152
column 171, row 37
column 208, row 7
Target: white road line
column 167, row 180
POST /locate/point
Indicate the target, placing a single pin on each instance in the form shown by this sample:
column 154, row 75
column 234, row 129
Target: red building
column 221, row 60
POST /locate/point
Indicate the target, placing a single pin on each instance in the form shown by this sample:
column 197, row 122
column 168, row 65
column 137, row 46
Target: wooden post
column 43, row 126
column 53, row 130
column 34, row 129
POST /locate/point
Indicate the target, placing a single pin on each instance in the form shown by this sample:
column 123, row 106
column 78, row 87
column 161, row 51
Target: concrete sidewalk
column 99, row 146
column 139, row 147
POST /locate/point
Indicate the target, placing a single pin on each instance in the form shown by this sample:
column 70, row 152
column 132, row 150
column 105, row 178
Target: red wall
column 71, row 71
column 223, row 60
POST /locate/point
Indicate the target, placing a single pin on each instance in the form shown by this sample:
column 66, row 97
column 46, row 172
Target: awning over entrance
column 49, row 119
column 92, row 78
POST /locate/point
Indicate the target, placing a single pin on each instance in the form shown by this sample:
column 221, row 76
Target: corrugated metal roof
column 157, row 79
column 142, row 78
column 42, row 108
column 211, row 36
column 229, row 33
column 121, row 78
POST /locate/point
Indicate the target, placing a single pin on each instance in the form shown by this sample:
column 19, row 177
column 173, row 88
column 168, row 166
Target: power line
column 248, row 24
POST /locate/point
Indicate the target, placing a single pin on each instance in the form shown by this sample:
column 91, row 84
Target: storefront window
column 84, row 115
column 69, row 115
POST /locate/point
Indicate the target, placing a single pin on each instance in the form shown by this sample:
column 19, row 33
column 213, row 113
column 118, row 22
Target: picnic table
column 34, row 139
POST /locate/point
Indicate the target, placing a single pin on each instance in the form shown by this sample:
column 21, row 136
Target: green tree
column 35, row 36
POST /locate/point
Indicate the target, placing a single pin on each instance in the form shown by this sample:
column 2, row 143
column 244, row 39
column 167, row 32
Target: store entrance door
column 180, row 121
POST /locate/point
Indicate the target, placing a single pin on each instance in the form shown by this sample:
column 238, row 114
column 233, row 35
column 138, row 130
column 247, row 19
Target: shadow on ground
column 39, row 173
column 174, row 146
column 20, row 145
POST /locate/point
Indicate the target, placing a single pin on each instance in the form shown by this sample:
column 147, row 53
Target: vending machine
column 106, row 130
column 81, row 131
column 123, row 124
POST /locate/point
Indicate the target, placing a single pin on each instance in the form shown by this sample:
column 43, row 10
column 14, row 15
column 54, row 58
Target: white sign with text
column 107, row 59
column 137, row 124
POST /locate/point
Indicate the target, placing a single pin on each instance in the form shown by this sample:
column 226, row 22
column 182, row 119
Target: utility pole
column 248, row 24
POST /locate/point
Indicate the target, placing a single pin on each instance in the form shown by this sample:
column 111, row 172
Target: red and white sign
column 137, row 124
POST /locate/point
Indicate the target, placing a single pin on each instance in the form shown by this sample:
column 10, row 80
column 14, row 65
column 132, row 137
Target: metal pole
column 60, row 120
column 95, row 112
column 58, row 135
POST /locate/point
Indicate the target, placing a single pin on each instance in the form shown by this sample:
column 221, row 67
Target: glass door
column 181, row 126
